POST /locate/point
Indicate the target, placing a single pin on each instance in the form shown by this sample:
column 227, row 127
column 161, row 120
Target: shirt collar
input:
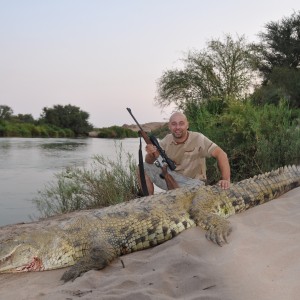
column 175, row 143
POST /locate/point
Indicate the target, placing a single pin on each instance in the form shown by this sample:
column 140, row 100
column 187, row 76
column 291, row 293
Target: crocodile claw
column 71, row 274
column 218, row 235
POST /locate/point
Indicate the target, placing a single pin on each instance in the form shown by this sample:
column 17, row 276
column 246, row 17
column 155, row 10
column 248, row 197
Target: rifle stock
column 163, row 160
column 170, row 181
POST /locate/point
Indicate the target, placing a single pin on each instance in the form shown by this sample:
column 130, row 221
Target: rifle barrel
column 137, row 123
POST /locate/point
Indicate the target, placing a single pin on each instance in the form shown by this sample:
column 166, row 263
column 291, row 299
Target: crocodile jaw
column 20, row 259
column 35, row 264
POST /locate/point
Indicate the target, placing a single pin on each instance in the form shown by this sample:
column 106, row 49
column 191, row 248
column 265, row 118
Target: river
column 28, row 164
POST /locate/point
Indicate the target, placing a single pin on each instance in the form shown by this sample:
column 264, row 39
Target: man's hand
column 151, row 149
column 152, row 153
column 224, row 184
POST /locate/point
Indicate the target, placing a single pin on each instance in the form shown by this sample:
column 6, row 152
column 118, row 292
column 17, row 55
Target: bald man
column 188, row 150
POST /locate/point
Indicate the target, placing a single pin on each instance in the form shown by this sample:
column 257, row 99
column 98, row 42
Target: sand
column 261, row 262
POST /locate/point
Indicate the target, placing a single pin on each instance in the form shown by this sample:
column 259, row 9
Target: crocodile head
column 34, row 252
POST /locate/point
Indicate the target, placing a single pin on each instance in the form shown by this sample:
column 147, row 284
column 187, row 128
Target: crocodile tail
column 263, row 188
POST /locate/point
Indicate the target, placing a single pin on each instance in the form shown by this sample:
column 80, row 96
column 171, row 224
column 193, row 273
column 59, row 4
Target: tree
column 283, row 83
column 67, row 116
column 224, row 70
column 280, row 45
column 279, row 62
column 5, row 112
column 24, row 118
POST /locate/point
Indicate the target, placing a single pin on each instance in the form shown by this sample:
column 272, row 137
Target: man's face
column 178, row 126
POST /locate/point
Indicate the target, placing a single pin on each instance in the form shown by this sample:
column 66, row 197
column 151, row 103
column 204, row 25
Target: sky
column 106, row 55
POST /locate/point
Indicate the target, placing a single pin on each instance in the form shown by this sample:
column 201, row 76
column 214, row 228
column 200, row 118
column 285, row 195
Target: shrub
column 105, row 182
column 256, row 139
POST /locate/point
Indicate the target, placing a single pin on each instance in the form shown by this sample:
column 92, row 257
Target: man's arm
column 224, row 167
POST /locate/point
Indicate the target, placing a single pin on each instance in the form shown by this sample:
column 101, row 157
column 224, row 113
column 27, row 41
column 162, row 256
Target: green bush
column 2, row 129
column 11, row 130
column 24, row 132
column 278, row 138
column 256, row 139
column 51, row 132
column 16, row 128
column 106, row 181
column 68, row 132
column 43, row 132
column 35, row 131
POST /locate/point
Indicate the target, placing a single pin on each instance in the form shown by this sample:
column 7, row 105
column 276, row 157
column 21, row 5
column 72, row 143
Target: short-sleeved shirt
column 189, row 156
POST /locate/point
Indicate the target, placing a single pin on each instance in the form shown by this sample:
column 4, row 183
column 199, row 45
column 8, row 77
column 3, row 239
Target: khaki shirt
column 189, row 156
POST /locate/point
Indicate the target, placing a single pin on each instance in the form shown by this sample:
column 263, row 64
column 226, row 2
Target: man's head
column 178, row 126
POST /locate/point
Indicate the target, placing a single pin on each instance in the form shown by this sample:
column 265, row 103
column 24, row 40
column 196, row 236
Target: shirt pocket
column 189, row 155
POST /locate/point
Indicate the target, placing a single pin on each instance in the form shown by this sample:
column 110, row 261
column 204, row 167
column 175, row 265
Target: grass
column 104, row 182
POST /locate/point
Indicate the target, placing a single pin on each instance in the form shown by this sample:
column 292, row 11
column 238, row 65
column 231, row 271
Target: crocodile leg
column 96, row 259
column 209, row 210
column 217, row 228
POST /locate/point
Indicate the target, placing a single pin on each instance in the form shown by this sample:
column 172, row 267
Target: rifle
column 162, row 160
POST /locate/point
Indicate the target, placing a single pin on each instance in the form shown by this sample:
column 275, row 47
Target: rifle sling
column 142, row 171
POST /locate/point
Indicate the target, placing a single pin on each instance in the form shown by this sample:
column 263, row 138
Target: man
column 188, row 150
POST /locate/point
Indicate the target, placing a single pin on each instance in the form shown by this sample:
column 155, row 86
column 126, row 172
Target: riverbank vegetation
column 256, row 139
column 20, row 129
column 116, row 132
column 58, row 121
column 104, row 182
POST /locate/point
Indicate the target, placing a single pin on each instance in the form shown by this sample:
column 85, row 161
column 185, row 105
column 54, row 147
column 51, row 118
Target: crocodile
column 91, row 239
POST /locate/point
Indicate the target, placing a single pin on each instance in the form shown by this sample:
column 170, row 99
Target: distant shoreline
column 148, row 127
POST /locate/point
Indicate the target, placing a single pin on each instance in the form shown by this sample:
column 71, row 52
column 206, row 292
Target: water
column 27, row 165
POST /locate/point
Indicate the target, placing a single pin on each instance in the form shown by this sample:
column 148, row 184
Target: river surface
column 28, row 164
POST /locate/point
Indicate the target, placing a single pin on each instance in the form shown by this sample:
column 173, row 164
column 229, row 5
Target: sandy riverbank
column 261, row 261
